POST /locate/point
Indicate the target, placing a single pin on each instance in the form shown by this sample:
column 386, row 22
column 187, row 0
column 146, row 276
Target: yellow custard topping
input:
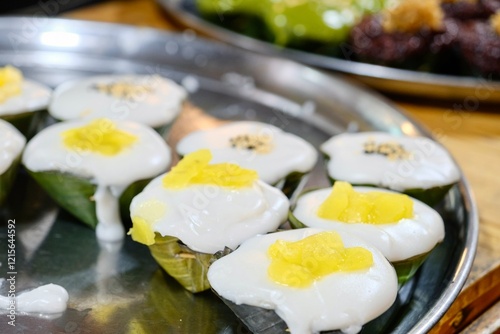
column 99, row 136
column 299, row 264
column 11, row 80
column 346, row 205
column 195, row 169
column 146, row 215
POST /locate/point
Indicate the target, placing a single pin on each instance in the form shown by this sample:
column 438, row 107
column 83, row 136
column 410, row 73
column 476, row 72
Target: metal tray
column 119, row 288
column 468, row 90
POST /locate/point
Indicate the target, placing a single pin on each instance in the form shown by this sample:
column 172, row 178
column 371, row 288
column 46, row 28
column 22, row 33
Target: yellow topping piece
column 346, row 205
column 410, row 16
column 299, row 264
column 495, row 22
column 142, row 231
column 195, row 169
column 11, row 80
column 145, row 215
column 100, row 136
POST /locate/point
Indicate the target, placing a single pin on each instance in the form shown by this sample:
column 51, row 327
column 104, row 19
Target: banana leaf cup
column 93, row 168
column 197, row 209
column 294, row 281
column 405, row 242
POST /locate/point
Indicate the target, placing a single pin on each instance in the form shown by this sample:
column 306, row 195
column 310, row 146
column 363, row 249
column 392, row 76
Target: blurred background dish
column 446, row 78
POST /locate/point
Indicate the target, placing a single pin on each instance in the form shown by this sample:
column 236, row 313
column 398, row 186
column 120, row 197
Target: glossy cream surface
column 156, row 106
column 46, row 299
column 398, row 241
column 208, row 218
column 34, row 96
column 148, row 157
column 289, row 153
column 429, row 165
column 11, row 145
column 343, row 300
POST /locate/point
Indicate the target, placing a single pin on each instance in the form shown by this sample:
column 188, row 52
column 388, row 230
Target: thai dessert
column 404, row 229
column 315, row 280
column 417, row 166
column 12, row 143
column 22, row 101
column 91, row 168
column 197, row 209
column 280, row 158
column 148, row 99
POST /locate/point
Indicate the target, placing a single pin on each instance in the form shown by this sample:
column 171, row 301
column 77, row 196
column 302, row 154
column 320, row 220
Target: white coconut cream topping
column 46, row 299
column 145, row 157
column 34, row 96
column 389, row 161
column 341, row 300
column 264, row 148
column 147, row 99
column 398, row 241
column 208, row 218
column 11, row 145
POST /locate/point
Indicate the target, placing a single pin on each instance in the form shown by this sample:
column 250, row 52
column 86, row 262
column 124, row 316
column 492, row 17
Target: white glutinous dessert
column 22, row 100
column 418, row 166
column 45, row 299
column 148, row 99
column 315, row 280
column 198, row 209
column 90, row 166
column 280, row 158
column 404, row 229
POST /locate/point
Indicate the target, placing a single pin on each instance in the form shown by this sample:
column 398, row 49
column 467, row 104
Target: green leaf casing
column 75, row 194
column 7, row 179
column 188, row 267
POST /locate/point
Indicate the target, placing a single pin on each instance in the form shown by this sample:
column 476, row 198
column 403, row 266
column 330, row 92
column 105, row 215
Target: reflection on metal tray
column 119, row 288
column 469, row 90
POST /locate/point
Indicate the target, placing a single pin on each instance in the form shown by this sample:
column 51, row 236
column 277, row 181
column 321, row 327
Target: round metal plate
column 119, row 288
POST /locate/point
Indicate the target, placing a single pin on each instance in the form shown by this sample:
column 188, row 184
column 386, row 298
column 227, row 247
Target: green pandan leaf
column 7, row 179
column 430, row 196
column 27, row 122
column 75, row 194
column 406, row 269
column 188, row 267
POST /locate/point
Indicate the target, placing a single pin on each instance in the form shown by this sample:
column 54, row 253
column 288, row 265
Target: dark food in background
column 465, row 46
column 479, row 44
column 400, row 36
column 466, row 9
column 372, row 44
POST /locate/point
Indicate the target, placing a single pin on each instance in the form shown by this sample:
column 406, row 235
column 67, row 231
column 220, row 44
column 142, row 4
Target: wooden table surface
column 470, row 132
